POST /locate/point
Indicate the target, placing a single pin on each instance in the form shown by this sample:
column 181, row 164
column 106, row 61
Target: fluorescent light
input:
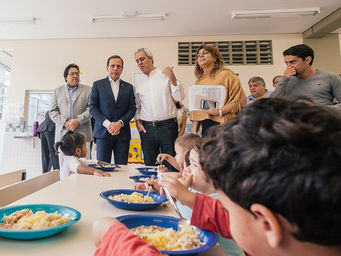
column 129, row 16
column 274, row 13
column 28, row 20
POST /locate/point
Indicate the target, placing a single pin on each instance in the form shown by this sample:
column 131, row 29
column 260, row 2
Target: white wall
column 39, row 64
column 327, row 52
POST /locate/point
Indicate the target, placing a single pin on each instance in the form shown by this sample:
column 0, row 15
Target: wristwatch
column 220, row 113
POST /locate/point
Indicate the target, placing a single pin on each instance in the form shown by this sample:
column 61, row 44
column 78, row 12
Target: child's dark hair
column 179, row 105
column 69, row 142
column 286, row 156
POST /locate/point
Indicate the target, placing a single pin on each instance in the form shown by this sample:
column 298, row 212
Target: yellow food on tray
column 135, row 197
column 168, row 239
column 25, row 219
column 144, row 179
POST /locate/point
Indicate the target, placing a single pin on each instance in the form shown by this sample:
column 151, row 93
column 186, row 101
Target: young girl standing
column 73, row 145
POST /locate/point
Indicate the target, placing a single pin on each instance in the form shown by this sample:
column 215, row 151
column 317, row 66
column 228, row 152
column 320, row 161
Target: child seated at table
column 187, row 160
column 276, row 168
column 73, row 145
column 187, row 149
column 182, row 146
column 198, row 182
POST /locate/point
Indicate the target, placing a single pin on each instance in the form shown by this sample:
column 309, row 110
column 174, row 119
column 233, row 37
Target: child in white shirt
column 73, row 145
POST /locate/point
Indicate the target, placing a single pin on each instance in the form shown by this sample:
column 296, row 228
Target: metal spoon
column 183, row 222
column 150, row 187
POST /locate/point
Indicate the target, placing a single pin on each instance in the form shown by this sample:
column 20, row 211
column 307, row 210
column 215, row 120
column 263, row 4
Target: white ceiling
column 71, row 18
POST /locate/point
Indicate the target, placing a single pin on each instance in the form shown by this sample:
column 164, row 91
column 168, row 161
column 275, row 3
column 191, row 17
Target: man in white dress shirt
column 156, row 94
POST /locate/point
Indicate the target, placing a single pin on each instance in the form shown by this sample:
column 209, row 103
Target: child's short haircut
column 286, row 156
column 69, row 142
column 188, row 141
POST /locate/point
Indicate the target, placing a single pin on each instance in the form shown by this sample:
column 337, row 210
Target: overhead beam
column 324, row 26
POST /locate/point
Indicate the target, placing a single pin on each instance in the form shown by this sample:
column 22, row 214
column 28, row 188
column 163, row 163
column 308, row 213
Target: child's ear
column 269, row 223
column 78, row 151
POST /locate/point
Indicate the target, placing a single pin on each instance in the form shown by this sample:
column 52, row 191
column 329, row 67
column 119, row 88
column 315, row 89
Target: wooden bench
column 12, row 177
column 16, row 191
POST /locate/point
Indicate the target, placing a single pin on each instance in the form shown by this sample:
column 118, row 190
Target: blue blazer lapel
column 108, row 89
column 120, row 91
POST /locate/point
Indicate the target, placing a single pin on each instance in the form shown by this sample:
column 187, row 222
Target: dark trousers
column 120, row 147
column 48, row 153
column 159, row 138
column 206, row 125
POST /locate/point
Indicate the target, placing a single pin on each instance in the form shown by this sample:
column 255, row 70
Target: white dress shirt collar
column 118, row 81
column 115, row 87
column 153, row 72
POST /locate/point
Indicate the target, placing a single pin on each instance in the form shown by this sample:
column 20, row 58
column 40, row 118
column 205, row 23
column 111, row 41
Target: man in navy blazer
column 112, row 105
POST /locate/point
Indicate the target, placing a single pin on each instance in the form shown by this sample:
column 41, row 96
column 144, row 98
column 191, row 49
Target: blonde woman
column 210, row 70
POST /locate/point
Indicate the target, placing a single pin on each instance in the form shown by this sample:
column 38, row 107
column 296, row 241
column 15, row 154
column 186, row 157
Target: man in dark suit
column 112, row 104
column 46, row 133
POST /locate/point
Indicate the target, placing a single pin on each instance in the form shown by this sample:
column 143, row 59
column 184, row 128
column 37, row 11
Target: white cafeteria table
column 82, row 193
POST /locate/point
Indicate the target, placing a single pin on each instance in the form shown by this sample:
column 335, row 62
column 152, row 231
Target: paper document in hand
column 199, row 93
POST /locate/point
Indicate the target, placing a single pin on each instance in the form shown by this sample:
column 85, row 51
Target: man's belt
column 160, row 123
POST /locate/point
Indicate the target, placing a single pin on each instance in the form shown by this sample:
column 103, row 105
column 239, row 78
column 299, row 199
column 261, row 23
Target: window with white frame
column 36, row 105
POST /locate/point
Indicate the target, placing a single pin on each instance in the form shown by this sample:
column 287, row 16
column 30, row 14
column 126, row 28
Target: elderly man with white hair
column 156, row 94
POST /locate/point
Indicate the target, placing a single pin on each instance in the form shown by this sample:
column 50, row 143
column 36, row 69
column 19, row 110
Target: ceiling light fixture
column 129, row 16
column 274, row 13
column 29, row 20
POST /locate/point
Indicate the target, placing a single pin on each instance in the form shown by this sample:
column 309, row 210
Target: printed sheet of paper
column 197, row 93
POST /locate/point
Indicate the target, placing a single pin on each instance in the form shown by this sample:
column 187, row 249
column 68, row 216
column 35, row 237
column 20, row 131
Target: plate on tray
column 158, row 199
column 65, row 211
column 104, row 167
column 207, row 238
